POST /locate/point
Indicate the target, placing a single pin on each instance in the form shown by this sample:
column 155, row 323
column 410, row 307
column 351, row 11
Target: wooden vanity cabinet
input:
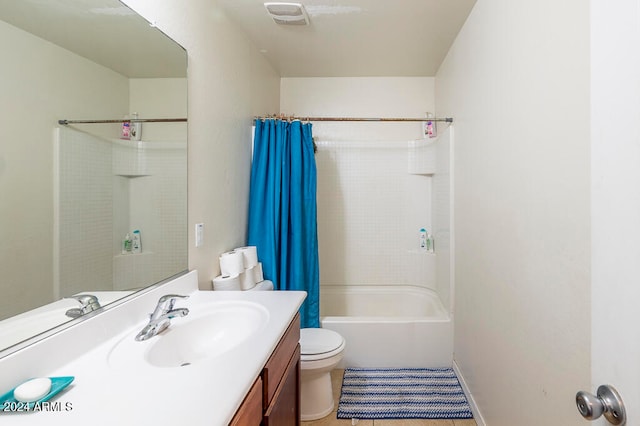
column 250, row 412
column 281, row 380
column 279, row 385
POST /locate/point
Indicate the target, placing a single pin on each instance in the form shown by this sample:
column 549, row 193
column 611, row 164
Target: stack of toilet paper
column 239, row 270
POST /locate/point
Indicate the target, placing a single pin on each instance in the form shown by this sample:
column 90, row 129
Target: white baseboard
column 477, row 416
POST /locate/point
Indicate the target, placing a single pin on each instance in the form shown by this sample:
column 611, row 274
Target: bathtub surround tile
column 84, row 206
column 105, row 189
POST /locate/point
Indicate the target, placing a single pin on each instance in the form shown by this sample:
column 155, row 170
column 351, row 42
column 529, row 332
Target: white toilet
column 320, row 351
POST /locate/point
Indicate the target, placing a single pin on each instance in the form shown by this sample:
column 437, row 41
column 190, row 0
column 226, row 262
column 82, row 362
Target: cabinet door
column 284, row 409
column 275, row 369
column 250, row 412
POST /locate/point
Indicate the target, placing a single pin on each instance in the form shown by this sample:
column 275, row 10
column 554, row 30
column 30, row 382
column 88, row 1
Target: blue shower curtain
column 282, row 210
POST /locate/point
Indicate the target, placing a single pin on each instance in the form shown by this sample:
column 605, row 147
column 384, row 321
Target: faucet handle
column 171, row 296
column 162, row 315
column 88, row 303
column 168, row 300
column 85, row 299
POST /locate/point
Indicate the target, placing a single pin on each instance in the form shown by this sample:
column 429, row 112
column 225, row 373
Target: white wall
column 615, row 204
column 49, row 83
column 229, row 82
column 516, row 82
column 160, row 98
column 370, row 208
column 360, row 97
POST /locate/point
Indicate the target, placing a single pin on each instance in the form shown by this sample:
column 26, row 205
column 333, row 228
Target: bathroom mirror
column 70, row 194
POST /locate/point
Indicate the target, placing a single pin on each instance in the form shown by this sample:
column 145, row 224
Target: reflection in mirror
column 71, row 194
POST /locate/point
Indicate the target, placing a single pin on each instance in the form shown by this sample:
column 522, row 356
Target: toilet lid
column 314, row 341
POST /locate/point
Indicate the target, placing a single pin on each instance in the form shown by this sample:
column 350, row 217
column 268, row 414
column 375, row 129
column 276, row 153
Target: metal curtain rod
column 374, row 119
column 124, row 120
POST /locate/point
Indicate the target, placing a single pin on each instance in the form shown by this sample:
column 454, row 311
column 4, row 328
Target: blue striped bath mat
column 402, row 393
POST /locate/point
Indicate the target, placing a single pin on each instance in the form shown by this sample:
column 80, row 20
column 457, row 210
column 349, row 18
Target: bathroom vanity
column 275, row 395
column 234, row 359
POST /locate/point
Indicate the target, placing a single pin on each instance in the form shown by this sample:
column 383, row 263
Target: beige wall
column 517, row 83
column 229, row 82
column 49, row 83
column 160, row 98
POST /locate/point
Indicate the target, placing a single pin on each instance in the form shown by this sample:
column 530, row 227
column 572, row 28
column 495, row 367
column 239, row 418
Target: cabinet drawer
column 275, row 368
column 285, row 406
column 250, row 412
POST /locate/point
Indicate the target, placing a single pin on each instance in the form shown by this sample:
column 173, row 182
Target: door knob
column 607, row 401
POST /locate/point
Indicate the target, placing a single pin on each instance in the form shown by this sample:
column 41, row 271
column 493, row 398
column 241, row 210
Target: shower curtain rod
column 374, row 119
column 123, row 120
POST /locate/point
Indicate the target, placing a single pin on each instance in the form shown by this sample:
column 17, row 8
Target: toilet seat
column 319, row 343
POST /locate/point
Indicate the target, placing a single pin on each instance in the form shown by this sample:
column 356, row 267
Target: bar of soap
column 32, row 390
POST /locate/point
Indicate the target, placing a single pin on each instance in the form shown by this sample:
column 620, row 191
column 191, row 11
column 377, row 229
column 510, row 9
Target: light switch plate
column 199, row 234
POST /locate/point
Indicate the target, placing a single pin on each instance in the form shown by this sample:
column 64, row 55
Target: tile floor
column 331, row 420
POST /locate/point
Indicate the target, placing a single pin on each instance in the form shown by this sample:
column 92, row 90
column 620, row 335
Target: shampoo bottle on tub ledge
column 136, row 242
column 423, row 239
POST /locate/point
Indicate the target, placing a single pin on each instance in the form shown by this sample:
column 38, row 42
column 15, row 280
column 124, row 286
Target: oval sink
column 208, row 331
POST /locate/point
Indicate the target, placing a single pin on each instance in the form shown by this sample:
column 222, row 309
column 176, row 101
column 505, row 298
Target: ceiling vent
column 288, row 13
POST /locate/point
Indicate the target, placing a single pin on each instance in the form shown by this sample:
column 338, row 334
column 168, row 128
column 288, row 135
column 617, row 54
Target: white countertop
column 21, row 327
column 208, row 392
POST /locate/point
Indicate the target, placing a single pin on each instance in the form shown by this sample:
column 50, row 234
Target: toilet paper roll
column 250, row 255
column 256, row 271
column 231, row 263
column 246, row 281
column 226, row 283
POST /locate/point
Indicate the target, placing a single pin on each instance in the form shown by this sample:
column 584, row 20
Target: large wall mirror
column 70, row 194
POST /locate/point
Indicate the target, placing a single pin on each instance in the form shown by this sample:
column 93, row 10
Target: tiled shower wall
column 150, row 193
column 106, row 188
column 83, row 198
column 377, row 182
column 370, row 211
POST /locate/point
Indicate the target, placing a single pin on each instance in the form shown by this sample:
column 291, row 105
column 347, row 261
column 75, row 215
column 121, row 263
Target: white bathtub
column 388, row 326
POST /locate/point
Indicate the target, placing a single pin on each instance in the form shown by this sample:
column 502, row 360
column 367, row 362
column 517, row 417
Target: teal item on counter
column 8, row 403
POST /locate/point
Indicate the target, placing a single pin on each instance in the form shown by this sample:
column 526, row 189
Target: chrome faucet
column 88, row 302
column 161, row 317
